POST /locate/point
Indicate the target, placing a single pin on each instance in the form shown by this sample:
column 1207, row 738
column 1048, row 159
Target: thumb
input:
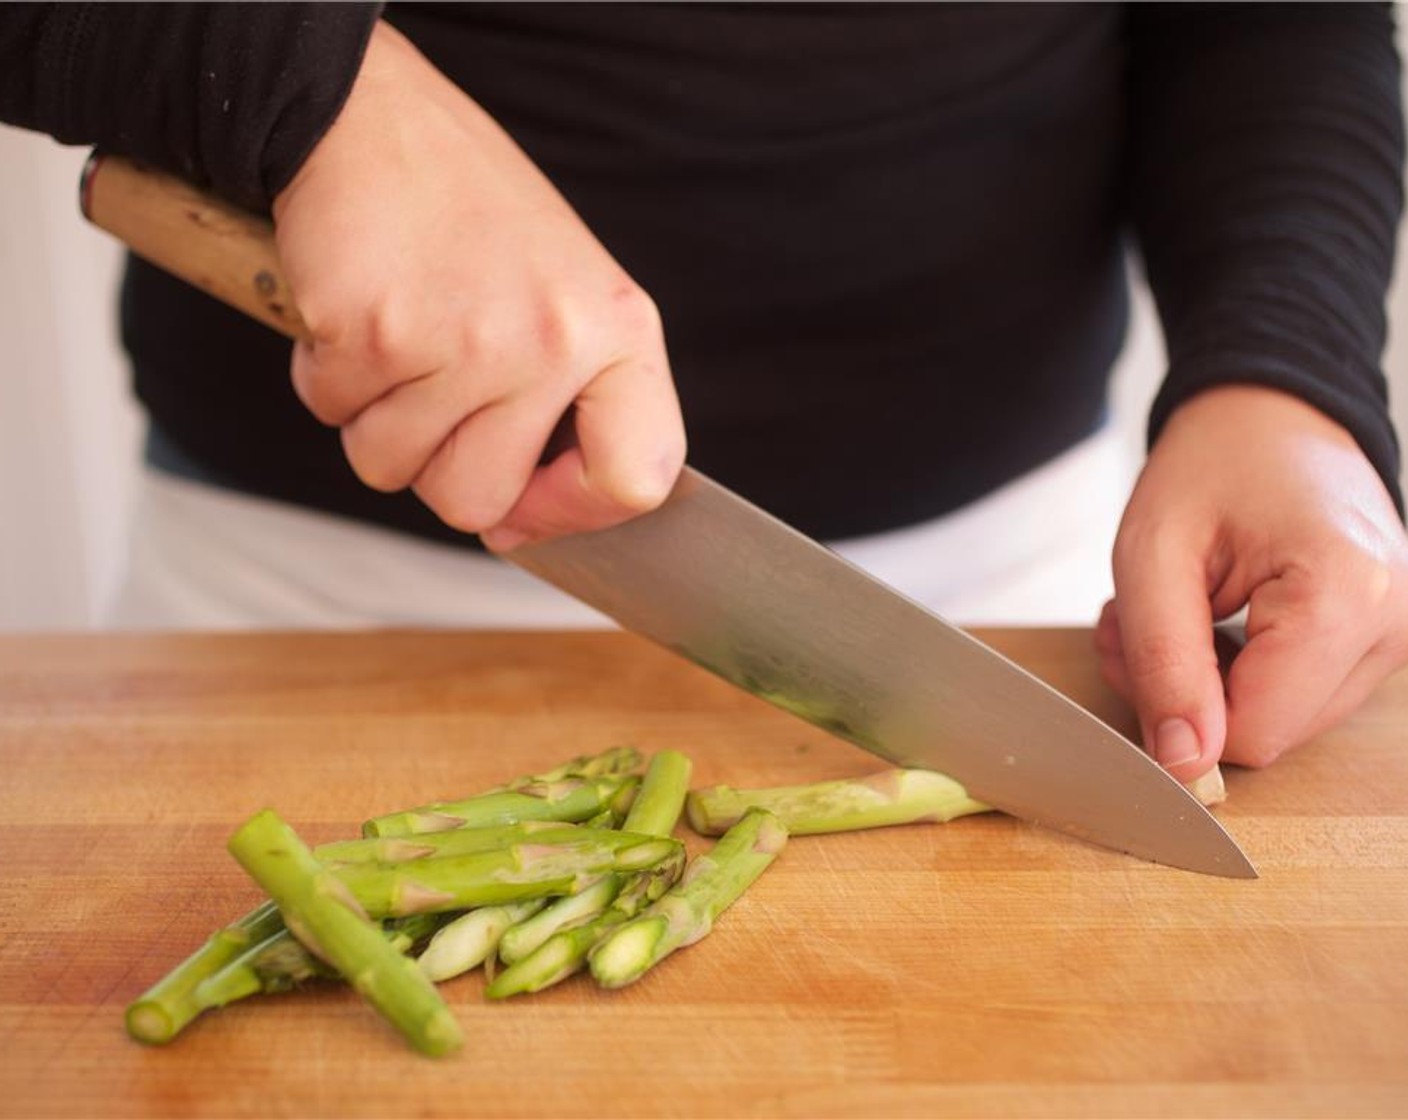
column 1168, row 657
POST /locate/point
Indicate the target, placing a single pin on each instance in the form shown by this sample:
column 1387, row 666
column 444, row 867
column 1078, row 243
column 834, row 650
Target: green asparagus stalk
column 590, row 915
column 160, row 1013
column 466, row 942
column 454, row 842
column 654, row 812
column 512, row 874
column 571, row 799
column 889, row 797
column 561, row 913
column 565, row 952
column 656, row 809
column 278, row 964
column 318, row 909
column 282, row 963
column 687, row 913
column 611, row 763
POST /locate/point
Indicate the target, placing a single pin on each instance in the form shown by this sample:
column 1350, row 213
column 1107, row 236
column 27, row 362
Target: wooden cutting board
column 984, row 967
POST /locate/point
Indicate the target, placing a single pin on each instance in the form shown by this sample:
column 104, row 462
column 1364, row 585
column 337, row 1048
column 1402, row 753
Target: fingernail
column 1175, row 742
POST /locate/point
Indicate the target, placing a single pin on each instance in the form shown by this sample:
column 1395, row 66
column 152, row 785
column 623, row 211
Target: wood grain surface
column 981, row 968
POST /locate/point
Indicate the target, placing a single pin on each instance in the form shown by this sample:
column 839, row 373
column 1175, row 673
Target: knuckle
column 1373, row 585
column 483, row 339
column 388, row 335
column 1156, row 657
column 375, row 470
column 1139, row 540
column 555, row 335
column 312, row 385
column 326, row 320
column 638, row 492
column 635, row 311
column 466, row 508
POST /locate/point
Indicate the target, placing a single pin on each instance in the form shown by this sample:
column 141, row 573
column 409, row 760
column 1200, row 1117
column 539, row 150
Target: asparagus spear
column 656, row 809
column 160, row 1013
column 453, row 842
column 687, row 913
column 571, row 799
column 565, row 952
column 889, row 797
column 467, row 941
column 511, row 874
column 655, row 812
column 318, row 909
column 611, row 763
column 562, row 913
column 282, row 962
column 277, row 964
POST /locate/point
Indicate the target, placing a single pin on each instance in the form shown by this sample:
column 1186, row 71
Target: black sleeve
column 1266, row 187
column 232, row 97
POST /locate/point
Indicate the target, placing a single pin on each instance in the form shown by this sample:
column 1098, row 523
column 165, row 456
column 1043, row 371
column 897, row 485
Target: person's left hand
column 1251, row 497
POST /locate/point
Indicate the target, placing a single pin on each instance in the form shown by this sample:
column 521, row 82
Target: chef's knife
column 740, row 593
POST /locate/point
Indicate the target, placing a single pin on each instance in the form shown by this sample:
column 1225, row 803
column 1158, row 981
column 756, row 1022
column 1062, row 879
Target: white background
column 69, row 431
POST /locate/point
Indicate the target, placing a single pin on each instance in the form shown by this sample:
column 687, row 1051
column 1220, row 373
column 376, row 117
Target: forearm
column 1266, row 190
column 230, row 96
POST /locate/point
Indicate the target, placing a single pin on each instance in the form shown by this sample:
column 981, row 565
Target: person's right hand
column 459, row 309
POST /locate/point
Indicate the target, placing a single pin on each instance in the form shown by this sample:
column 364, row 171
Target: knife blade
column 735, row 590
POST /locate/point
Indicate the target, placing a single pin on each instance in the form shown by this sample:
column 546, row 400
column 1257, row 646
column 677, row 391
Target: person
column 884, row 243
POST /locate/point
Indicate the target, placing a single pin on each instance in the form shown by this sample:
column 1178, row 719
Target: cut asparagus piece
column 319, row 911
column 567, row 800
column 660, row 800
column 466, row 942
column 454, row 842
column 160, row 1013
column 655, row 812
column 1209, row 789
column 687, row 912
column 512, row 874
column 611, row 763
column 565, row 952
column 562, row 913
column 276, row 965
column 887, row 798
column 282, row 963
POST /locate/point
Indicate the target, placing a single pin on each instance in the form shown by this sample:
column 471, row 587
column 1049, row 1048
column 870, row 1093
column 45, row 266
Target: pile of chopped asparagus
column 537, row 880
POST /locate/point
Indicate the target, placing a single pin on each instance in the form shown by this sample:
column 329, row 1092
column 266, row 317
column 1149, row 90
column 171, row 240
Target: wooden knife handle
column 226, row 252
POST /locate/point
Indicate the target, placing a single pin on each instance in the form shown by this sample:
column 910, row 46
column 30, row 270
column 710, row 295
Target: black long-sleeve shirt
column 887, row 241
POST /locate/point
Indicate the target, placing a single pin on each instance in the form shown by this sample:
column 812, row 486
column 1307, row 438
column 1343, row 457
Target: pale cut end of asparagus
column 625, row 955
column 565, row 952
column 685, row 914
column 1209, row 789
column 315, row 903
column 890, row 797
column 468, row 941
column 160, row 1013
column 563, row 913
column 655, row 812
column 152, row 1023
